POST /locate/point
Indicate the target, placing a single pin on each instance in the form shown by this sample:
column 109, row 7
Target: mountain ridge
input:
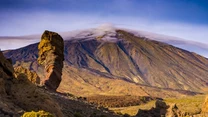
column 132, row 59
column 109, row 31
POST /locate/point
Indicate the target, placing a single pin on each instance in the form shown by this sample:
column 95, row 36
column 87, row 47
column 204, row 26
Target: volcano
column 112, row 61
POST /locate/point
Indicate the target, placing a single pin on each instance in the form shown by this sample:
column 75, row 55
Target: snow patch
column 105, row 32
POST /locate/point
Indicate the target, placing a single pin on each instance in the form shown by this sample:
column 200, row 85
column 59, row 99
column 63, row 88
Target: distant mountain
column 119, row 62
column 20, row 41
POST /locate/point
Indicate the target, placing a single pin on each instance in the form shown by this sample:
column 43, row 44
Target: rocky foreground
column 18, row 94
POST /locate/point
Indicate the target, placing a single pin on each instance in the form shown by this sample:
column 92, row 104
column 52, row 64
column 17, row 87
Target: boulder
column 51, row 56
column 173, row 111
column 161, row 109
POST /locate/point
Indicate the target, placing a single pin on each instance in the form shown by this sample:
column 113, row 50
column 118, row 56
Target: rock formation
column 161, row 110
column 6, row 74
column 18, row 94
column 51, row 56
column 32, row 76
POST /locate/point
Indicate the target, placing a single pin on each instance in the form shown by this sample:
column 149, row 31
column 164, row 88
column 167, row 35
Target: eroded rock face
column 6, row 74
column 6, row 66
column 51, row 56
column 18, row 94
column 32, row 76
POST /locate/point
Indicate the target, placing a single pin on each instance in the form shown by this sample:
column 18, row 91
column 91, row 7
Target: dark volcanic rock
column 51, row 56
column 6, row 74
column 6, row 65
column 161, row 110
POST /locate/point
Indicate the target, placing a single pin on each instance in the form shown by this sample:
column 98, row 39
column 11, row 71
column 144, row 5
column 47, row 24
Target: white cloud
column 6, row 44
column 36, row 23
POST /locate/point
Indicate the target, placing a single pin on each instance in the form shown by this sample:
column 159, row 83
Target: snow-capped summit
column 106, row 32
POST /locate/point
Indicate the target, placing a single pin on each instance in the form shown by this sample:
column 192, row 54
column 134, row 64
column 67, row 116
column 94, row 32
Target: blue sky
column 187, row 19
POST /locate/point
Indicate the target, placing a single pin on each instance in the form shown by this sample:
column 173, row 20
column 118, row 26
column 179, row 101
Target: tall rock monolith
column 51, row 56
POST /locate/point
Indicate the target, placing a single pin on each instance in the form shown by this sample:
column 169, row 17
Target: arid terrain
column 115, row 73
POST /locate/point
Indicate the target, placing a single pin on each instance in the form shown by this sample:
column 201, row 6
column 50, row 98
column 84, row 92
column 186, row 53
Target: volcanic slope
column 121, row 63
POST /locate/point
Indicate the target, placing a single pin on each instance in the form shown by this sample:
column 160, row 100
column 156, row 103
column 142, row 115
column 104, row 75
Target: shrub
column 77, row 114
column 37, row 114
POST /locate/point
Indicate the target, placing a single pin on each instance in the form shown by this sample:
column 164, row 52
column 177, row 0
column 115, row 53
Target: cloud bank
column 25, row 23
